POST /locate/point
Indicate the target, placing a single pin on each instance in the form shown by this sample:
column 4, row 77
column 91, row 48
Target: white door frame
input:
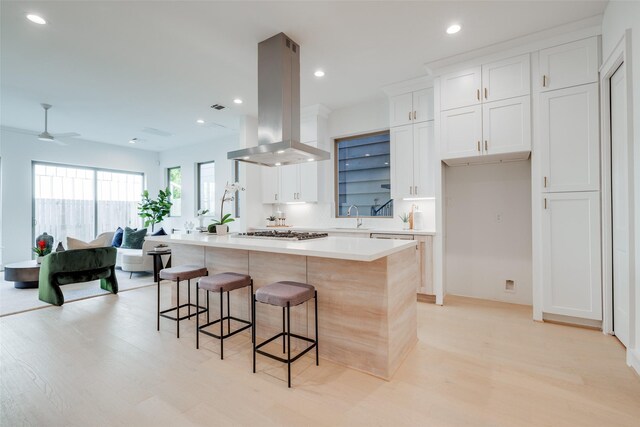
column 618, row 56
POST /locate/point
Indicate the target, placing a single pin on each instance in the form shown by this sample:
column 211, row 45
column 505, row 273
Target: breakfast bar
column 366, row 290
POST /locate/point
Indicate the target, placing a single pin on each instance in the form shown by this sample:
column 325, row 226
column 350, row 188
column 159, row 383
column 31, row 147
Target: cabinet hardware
column 478, row 146
column 409, row 115
column 414, row 115
column 415, row 190
column 544, row 80
column 275, row 196
column 486, row 146
column 545, row 182
column 545, row 203
column 486, row 96
column 478, row 94
column 411, row 190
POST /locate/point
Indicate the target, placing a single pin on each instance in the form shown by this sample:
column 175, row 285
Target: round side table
column 25, row 274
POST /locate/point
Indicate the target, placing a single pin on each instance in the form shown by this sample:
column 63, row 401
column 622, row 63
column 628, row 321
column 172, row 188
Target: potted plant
column 272, row 221
column 405, row 220
column 154, row 211
column 200, row 214
column 41, row 250
column 220, row 226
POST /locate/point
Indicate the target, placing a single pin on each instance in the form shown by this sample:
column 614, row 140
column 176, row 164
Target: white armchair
column 136, row 260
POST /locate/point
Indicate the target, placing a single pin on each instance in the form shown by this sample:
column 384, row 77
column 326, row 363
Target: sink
column 350, row 228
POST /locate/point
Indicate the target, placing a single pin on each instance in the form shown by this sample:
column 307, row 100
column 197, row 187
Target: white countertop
column 328, row 247
column 354, row 230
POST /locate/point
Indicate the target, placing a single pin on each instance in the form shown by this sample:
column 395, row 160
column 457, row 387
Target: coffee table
column 25, row 274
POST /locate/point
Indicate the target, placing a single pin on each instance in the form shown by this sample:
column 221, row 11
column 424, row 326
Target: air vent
column 158, row 132
column 218, row 107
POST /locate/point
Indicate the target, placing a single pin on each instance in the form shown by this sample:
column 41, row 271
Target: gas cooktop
column 281, row 235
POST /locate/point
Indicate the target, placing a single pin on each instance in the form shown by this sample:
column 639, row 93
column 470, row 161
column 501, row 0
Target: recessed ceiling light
column 310, row 160
column 36, row 19
column 280, row 151
column 319, row 73
column 133, row 140
column 245, row 158
column 453, row 29
column 200, row 121
column 278, row 164
column 237, row 101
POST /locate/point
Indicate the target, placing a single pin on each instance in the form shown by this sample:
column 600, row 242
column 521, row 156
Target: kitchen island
column 366, row 290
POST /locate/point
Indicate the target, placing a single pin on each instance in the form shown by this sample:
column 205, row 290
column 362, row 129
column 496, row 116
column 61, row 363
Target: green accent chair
column 76, row 266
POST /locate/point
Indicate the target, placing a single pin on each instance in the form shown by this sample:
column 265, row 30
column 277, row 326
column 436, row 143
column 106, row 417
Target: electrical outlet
column 509, row 286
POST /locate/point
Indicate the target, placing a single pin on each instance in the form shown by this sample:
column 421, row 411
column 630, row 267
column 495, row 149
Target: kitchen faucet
column 358, row 219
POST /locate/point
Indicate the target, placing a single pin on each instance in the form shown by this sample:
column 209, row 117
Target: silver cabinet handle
column 545, row 182
column 410, row 190
column 414, row 115
column 478, row 146
column 276, row 196
column 545, row 203
column 415, row 190
column 544, row 80
column 409, row 115
column 478, row 94
column 486, row 146
column 486, row 94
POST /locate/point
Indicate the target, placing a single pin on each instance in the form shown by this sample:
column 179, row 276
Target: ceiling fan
column 46, row 136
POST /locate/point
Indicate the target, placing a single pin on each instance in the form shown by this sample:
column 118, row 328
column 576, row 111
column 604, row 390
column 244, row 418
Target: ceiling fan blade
column 66, row 135
column 59, row 142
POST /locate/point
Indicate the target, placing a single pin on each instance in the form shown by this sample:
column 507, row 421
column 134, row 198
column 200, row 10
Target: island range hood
column 279, row 108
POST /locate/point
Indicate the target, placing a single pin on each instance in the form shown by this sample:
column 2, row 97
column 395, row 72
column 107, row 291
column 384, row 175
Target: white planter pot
column 222, row 229
column 39, row 259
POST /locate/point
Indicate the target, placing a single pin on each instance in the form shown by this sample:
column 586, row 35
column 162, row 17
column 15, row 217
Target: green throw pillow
column 132, row 239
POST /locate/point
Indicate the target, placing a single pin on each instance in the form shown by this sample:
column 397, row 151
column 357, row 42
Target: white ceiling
column 111, row 69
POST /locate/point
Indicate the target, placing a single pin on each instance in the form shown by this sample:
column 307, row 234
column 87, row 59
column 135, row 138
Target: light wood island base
column 366, row 310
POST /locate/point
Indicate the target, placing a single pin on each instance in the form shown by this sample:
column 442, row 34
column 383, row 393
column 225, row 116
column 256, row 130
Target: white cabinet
column 289, row 183
column 570, row 64
column 461, row 89
column 413, row 161
column 412, row 107
column 461, row 132
column 569, row 139
column 506, row 79
column 571, row 253
column 506, row 126
column 270, row 184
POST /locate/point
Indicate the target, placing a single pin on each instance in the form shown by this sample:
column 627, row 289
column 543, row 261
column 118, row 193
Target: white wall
column 618, row 17
column 18, row 150
column 488, row 231
column 370, row 116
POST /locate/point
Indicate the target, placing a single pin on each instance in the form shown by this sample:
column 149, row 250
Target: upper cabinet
column 412, row 107
column 461, row 89
column 506, row 79
column 570, row 64
column 506, row 126
column 461, row 132
column 413, row 161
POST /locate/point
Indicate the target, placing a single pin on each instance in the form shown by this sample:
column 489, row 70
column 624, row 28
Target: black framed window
column 174, row 180
column 207, row 187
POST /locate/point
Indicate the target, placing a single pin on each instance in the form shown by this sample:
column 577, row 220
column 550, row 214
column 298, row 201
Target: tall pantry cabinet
column 569, row 150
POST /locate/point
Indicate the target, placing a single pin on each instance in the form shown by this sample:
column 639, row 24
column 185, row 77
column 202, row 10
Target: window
column 83, row 202
column 174, row 178
column 363, row 175
column 207, row 187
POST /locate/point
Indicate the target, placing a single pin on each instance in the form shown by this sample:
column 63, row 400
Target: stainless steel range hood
column 279, row 108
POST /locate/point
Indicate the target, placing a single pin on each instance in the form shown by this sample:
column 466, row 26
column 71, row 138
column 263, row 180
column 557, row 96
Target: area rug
column 13, row 301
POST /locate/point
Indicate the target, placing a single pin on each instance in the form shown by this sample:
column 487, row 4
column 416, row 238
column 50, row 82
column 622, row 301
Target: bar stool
column 175, row 274
column 221, row 283
column 285, row 295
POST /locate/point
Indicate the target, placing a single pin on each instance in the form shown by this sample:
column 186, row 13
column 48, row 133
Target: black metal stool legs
column 289, row 344
column 253, row 329
column 316, row 320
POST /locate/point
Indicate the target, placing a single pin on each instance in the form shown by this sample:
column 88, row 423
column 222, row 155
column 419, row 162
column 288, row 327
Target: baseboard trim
column 559, row 319
column 633, row 360
column 428, row 298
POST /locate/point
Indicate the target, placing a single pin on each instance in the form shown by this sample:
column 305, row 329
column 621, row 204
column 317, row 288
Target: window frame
column 336, row 171
column 168, row 176
column 199, row 191
column 93, row 169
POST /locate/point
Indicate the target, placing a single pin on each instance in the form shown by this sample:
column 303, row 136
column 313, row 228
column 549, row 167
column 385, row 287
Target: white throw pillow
column 101, row 241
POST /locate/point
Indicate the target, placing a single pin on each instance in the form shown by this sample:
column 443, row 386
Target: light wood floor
column 101, row 362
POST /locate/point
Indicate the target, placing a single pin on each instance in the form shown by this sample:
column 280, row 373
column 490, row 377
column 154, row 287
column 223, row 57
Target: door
column 289, row 183
column 571, row 254
column 424, row 160
column 570, row 139
column 460, row 89
column 620, row 205
column 401, row 109
column 402, row 161
column 461, row 132
column 506, row 126
column 270, row 184
column 505, row 79
column 423, row 105
column 567, row 65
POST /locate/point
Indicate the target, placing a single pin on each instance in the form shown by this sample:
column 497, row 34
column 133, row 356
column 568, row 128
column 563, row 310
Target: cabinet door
column 423, row 105
column 461, row 132
column 424, row 160
column 570, row 64
column 571, row 254
column 401, row 109
column 460, row 89
column 270, row 184
column 308, row 177
column 570, row 139
column 402, row 161
column 289, row 183
column 309, row 130
column 505, row 79
column 506, row 125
